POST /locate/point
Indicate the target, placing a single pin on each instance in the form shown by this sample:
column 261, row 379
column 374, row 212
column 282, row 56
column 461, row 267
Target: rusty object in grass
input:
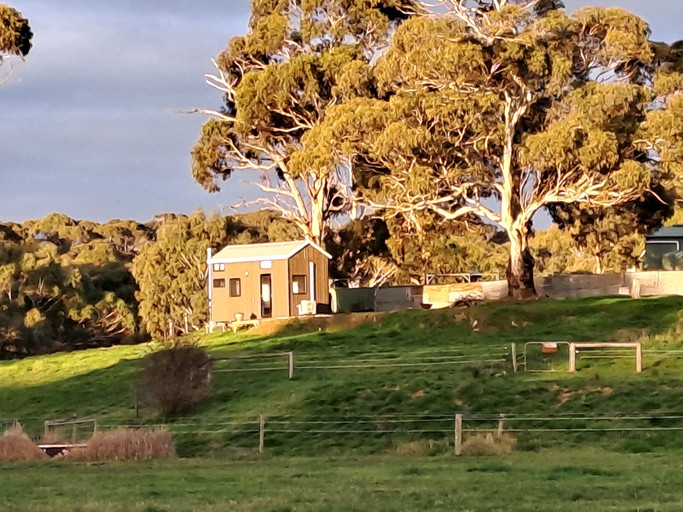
column 549, row 348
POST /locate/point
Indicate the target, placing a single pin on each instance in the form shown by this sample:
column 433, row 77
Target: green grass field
column 366, row 423
column 421, row 364
column 552, row 481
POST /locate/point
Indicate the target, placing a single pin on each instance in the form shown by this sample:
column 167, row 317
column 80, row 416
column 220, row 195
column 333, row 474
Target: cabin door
column 266, row 296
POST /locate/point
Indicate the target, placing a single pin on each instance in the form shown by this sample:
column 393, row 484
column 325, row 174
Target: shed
column 665, row 240
column 273, row 280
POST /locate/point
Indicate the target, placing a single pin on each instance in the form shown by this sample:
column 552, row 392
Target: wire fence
column 377, row 433
column 370, row 432
column 529, row 358
column 298, row 430
column 267, row 362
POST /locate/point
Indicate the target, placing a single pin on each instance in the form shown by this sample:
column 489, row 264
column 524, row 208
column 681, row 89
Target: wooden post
column 290, row 365
column 73, row 433
column 261, row 434
column 639, row 358
column 501, row 424
column 458, row 434
column 46, row 431
column 513, row 354
column 572, row 357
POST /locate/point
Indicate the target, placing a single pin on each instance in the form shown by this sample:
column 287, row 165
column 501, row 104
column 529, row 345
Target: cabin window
column 298, row 284
column 219, row 283
column 218, row 267
column 266, row 264
column 235, row 287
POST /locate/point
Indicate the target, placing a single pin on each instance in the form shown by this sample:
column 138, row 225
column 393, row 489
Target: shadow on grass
column 108, row 393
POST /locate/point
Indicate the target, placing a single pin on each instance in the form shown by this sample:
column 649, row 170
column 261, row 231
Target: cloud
column 89, row 123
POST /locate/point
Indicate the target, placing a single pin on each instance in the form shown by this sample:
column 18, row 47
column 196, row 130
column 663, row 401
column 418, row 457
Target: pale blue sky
column 89, row 124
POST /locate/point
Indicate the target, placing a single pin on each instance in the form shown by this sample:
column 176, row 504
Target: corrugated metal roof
column 259, row 252
column 667, row 232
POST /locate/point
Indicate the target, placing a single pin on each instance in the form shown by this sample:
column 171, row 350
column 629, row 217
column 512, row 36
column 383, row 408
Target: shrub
column 489, row 444
column 126, row 444
column 173, row 380
column 16, row 446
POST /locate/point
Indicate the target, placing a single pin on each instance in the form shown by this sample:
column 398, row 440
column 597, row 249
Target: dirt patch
column 602, row 390
column 418, row 394
column 564, row 396
column 326, row 323
column 630, row 335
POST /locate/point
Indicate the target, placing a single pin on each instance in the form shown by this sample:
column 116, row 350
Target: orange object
column 549, row 348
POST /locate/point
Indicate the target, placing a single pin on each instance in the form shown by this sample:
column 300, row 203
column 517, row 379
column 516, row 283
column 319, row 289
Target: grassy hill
column 394, row 382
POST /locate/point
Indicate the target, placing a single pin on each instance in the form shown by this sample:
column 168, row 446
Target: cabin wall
column 299, row 265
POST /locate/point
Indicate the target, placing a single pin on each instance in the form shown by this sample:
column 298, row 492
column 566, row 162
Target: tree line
column 67, row 284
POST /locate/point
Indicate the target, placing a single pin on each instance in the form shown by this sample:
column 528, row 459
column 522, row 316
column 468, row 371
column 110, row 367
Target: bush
column 489, row 444
column 16, row 446
column 126, row 444
column 173, row 380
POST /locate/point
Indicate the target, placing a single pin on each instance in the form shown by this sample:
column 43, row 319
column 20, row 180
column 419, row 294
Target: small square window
column 219, row 283
column 235, row 287
column 218, row 267
column 266, row 264
column 298, row 284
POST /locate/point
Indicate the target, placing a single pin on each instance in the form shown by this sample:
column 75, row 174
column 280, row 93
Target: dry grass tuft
column 422, row 447
column 16, row 446
column 126, row 444
column 489, row 444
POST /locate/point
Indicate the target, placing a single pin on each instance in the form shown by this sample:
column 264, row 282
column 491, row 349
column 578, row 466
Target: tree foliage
column 497, row 110
column 299, row 58
column 15, row 32
column 171, row 270
column 171, row 274
column 62, row 285
column 68, row 284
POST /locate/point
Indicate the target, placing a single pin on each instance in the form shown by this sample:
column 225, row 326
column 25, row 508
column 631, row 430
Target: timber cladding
column 314, row 265
column 242, row 282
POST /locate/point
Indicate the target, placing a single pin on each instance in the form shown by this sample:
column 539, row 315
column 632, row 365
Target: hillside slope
column 395, row 380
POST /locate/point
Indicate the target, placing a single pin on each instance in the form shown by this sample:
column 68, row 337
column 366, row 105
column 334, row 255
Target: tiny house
column 273, row 280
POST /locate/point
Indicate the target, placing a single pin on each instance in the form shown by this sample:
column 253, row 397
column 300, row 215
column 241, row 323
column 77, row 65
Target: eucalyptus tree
column 15, row 33
column 497, row 109
column 299, row 58
column 171, row 274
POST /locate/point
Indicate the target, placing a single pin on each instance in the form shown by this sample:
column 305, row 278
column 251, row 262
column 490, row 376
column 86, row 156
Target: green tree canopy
column 299, row 58
column 498, row 109
column 15, row 33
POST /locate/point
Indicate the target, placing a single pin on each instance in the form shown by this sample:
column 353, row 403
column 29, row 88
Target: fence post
column 261, row 434
column 639, row 358
column 501, row 424
column 513, row 354
column 290, row 365
column 46, row 427
column 458, row 434
column 572, row 357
